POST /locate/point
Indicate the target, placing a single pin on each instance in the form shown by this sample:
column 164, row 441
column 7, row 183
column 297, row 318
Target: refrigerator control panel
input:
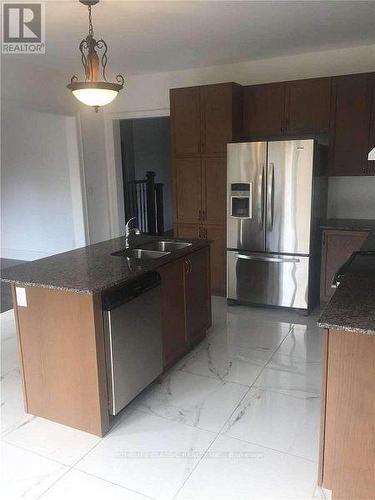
column 241, row 197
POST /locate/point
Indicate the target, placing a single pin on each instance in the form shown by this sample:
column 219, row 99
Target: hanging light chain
column 91, row 29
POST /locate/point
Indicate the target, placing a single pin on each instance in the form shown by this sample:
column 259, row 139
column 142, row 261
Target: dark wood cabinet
column 185, row 303
column 217, row 118
column 351, row 121
column 214, row 172
column 307, row 106
column 263, row 110
column 274, row 109
column 338, row 246
column 188, row 188
column 204, row 119
column 199, row 161
column 187, row 231
column 217, row 235
column 173, row 310
column 186, row 121
column 198, row 294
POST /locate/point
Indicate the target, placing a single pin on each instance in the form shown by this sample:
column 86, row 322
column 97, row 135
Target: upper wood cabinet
column 204, row 119
column 214, row 172
column 188, row 189
column 186, row 120
column 263, row 109
column 307, row 106
column 274, row 109
column 351, row 120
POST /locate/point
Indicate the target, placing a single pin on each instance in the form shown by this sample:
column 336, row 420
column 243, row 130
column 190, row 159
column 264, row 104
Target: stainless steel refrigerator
column 275, row 198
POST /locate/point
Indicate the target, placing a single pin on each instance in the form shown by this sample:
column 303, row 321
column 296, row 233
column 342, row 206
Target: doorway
column 146, row 172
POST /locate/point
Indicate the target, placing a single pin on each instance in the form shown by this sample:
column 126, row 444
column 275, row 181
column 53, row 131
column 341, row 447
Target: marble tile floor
column 237, row 418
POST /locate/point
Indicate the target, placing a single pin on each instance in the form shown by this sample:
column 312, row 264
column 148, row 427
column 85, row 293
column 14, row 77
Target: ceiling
column 153, row 36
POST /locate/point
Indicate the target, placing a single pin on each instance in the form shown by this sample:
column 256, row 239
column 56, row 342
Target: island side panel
column 349, row 440
column 63, row 358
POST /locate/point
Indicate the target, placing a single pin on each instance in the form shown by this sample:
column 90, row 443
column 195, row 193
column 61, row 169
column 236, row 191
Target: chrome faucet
column 129, row 231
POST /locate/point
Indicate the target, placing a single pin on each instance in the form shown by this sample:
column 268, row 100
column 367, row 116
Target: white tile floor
column 237, row 418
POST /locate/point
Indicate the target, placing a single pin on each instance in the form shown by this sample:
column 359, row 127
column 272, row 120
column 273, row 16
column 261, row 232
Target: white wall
column 41, row 199
column 147, row 92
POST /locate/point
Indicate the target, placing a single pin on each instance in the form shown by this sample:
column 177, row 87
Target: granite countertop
column 92, row 269
column 352, row 307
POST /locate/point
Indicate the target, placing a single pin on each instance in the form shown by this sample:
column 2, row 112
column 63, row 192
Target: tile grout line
column 228, row 419
column 272, row 449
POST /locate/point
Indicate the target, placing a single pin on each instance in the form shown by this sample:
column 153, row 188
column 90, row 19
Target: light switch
column 21, row 296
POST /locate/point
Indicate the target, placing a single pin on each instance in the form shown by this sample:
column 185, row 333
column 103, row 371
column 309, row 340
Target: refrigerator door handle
column 270, row 201
column 260, row 195
column 266, row 259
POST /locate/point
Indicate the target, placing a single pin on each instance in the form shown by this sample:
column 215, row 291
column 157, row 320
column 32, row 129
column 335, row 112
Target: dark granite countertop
column 352, row 307
column 92, row 269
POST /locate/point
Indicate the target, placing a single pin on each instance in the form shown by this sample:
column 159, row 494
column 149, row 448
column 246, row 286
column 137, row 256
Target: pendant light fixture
column 92, row 91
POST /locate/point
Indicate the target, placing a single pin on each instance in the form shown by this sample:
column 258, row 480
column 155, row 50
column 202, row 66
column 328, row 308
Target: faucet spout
column 129, row 231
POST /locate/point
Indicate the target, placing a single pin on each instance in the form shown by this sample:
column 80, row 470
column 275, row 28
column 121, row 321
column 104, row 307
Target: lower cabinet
column 338, row 246
column 185, row 303
column 217, row 234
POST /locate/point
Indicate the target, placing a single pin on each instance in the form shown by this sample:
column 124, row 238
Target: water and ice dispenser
column 241, row 200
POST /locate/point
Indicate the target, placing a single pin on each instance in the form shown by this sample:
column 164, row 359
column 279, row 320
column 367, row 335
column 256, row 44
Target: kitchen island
column 347, row 451
column 58, row 305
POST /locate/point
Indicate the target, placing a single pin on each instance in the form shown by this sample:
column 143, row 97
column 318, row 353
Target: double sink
column 152, row 250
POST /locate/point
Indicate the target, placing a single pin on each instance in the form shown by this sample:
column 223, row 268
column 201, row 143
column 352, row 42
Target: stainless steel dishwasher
column 132, row 329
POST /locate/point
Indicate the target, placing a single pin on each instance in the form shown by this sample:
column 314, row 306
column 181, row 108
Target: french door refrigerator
column 269, row 222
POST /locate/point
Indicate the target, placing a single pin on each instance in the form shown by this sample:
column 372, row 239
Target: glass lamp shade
column 95, row 94
column 95, row 97
column 371, row 155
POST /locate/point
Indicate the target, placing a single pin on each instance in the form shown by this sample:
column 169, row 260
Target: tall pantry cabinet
column 204, row 120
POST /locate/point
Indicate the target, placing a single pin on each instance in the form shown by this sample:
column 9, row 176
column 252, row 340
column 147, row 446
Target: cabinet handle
column 186, row 266
column 204, row 215
column 199, row 215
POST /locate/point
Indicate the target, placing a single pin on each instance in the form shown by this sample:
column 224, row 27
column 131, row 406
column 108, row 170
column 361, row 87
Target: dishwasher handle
column 114, row 298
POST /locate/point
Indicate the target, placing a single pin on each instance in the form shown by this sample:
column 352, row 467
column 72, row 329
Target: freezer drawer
column 268, row 279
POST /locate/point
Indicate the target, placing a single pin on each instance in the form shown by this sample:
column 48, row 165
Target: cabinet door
column 338, row 246
column 217, row 258
column 263, row 109
column 185, row 121
column 214, row 190
column 351, row 128
column 216, row 106
column 308, row 105
column 197, row 293
column 188, row 231
column 188, row 189
column 173, row 310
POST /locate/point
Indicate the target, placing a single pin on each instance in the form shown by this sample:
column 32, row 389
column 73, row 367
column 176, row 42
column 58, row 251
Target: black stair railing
column 143, row 199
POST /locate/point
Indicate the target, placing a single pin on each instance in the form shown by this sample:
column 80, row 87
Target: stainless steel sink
column 141, row 253
column 166, row 246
